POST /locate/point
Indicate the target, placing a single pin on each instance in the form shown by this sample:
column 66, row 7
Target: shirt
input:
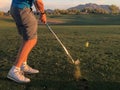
column 22, row 3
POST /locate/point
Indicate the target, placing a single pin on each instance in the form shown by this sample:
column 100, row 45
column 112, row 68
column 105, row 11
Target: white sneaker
column 27, row 69
column 16, row 75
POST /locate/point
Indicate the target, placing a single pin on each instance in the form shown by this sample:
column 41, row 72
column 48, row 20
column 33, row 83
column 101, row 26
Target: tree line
column 113, row 9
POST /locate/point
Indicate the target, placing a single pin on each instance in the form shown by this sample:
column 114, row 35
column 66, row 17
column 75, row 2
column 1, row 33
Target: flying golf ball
column 87, row 44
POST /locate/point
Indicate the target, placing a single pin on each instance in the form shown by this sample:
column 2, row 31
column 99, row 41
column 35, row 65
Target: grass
column 90, row 19
column 99, row 62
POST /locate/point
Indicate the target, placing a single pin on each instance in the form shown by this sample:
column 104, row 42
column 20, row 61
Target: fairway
column 100, row 62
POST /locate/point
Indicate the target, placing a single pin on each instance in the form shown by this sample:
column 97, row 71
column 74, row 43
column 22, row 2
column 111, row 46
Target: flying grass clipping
column 87, row 44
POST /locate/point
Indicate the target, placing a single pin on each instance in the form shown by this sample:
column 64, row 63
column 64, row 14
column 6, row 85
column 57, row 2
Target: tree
column 114, row 9
column 88, row 10
column 100, row 11
column 95, row 10
column 63, row 12
column 56, row 12
column 66, row 12
column 73, row 12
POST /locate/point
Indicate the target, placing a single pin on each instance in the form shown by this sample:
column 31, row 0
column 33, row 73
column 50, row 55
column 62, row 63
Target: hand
column 43, row 18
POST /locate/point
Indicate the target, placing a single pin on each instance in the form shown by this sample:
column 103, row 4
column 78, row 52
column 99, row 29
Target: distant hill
column 91, row 8
column 90, row 5
column 49, row 10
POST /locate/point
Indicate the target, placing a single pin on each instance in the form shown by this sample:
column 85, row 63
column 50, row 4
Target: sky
column 61, row 4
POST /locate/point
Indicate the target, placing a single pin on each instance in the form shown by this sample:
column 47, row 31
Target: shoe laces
column 28, row 68
column 20, row 74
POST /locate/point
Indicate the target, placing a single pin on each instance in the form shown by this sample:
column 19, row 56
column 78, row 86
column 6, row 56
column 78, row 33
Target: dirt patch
column 53, row 21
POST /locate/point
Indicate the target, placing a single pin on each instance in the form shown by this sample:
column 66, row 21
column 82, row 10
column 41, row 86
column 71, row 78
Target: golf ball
column 87, row 44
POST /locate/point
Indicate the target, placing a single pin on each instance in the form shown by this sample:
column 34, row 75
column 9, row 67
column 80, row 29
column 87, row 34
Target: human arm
column 40, row 7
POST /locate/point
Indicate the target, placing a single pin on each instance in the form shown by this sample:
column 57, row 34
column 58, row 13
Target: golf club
column 77, row 73
column 60, row 43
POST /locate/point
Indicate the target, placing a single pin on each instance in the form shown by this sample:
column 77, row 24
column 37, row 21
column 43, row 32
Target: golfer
column 27, row 28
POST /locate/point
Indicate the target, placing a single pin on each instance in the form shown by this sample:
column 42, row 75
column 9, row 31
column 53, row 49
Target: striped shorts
column 25, row 21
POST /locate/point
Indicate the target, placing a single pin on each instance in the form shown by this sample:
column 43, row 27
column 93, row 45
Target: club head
column 77, row 62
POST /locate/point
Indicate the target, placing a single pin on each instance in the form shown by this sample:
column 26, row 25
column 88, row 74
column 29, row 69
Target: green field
column 91, row 19
column 100, row 62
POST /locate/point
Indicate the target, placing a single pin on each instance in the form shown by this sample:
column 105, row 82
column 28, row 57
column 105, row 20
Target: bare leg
column 24, row 51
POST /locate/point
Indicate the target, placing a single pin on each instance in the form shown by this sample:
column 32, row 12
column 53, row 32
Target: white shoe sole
column 18, row 81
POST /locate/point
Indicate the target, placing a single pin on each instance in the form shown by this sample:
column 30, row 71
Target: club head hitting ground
column 77, row 72
column 77, row 62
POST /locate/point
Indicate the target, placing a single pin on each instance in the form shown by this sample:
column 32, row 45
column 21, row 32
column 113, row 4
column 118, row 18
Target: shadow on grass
column 6, row 19
column 72, row 85
column 82, row 84
column 58, row 85
column 101, row 85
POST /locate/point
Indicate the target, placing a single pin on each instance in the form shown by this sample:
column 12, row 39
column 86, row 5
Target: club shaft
column 65, row 49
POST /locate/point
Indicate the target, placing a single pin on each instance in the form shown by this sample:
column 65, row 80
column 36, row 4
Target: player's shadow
column 82, row 84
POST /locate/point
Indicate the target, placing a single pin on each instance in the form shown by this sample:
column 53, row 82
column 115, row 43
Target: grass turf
column 99, row 62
